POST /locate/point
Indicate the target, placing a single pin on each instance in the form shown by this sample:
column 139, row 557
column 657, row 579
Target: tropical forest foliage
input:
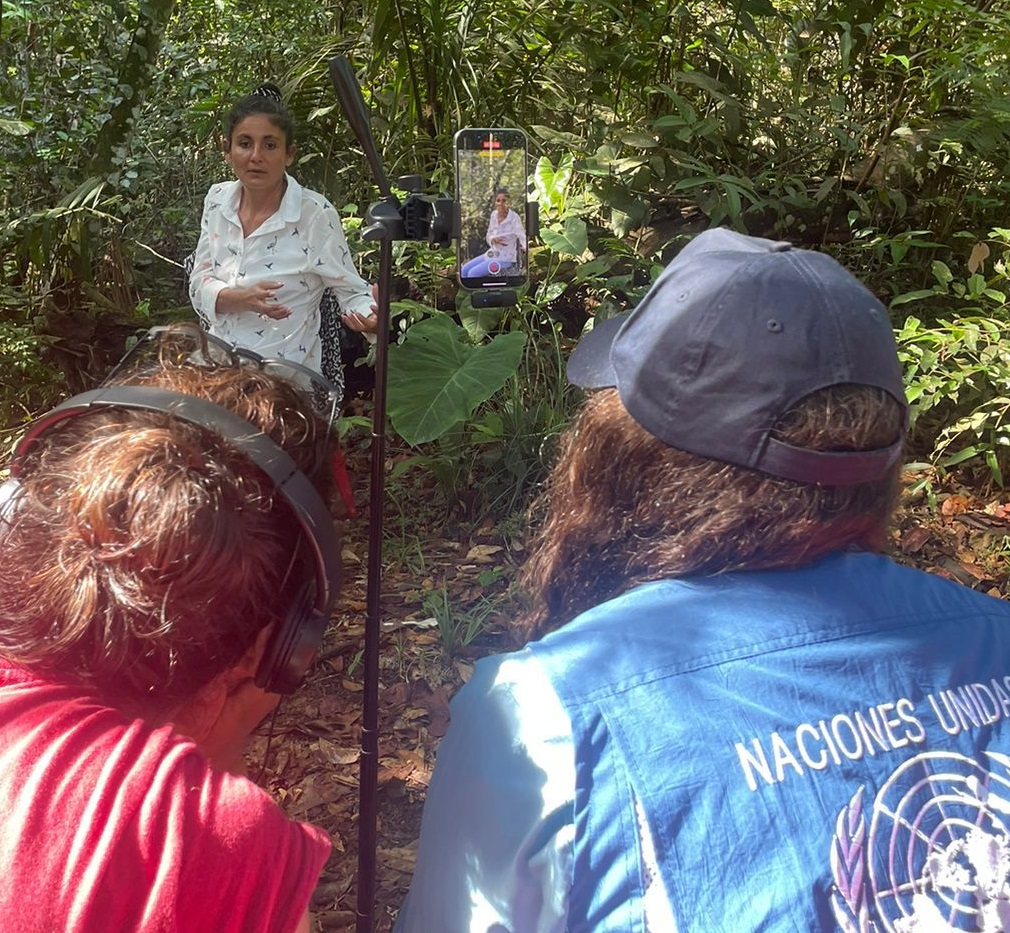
column 878, row 130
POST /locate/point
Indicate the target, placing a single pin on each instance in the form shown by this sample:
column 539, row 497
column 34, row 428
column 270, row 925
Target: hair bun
column 268, row 90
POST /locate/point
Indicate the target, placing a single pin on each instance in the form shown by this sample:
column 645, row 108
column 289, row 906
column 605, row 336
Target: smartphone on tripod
column 491, row 173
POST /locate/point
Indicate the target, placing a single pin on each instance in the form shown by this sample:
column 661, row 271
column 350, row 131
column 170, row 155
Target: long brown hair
column 622, row 508
column 146, row 553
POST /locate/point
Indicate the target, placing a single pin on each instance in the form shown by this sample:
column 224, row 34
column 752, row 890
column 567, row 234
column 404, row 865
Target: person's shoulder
column 240, row 809
column 941, row 588
column 100, row 754
column 313, row 200
column 318, row 213
column 214, row 811
column 499, row 676
column 219, row 193
column 216, row 820
column 154, row 808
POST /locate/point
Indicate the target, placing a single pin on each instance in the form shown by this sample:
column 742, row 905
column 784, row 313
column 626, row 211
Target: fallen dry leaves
column 310, row 758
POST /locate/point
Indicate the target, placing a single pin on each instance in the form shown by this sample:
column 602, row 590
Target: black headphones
column 294, row 644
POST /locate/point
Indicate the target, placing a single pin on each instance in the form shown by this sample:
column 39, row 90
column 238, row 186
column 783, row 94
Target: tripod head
column 420, row 217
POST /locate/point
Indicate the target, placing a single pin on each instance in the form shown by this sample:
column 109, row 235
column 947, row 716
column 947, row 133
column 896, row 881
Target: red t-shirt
column 110, row 826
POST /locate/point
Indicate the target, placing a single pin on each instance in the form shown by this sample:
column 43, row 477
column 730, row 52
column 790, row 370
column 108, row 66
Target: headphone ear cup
column 292, row 648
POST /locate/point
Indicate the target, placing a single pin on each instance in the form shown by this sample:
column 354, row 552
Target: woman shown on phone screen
column 506, row 239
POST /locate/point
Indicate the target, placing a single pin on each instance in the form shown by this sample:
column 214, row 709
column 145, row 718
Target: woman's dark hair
column 146, row 553
column 622, row 508
column 267, row 101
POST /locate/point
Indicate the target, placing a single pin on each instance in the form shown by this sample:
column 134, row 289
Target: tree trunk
column 134, row 79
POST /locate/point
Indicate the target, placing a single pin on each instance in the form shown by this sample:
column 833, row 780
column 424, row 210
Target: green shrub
column 958, row 384
column 29, row 385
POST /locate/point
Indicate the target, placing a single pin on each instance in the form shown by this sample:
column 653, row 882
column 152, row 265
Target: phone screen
column 491, row 191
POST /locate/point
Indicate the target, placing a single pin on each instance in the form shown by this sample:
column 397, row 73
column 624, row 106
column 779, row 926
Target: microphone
column 353, row 104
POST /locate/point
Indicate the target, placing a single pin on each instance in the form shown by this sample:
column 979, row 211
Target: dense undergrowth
column 875, row 129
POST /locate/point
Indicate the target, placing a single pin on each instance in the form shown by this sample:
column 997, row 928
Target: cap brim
column 589, row 365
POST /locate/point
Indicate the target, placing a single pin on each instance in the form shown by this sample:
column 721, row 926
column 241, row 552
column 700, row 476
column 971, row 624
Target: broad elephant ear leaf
column 437, row 377
column 572, row 239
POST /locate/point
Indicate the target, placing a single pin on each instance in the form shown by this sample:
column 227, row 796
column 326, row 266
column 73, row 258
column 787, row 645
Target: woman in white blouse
column 269, row 247
column 506, row 236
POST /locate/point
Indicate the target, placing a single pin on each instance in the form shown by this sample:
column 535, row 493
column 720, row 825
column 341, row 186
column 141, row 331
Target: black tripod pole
column 386, row 222
column 369, row 768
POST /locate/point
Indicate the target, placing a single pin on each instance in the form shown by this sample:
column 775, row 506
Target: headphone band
column 314, row 518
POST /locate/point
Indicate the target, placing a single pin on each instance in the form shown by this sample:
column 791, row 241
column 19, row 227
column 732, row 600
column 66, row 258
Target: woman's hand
column 364, row 323
column 259, row 298
column 359, row 323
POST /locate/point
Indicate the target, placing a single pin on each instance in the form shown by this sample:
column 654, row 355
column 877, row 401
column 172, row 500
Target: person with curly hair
column 733, row 711
column 154, row 560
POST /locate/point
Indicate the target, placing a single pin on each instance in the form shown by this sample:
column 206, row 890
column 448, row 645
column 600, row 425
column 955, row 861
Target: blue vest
column 815, row 749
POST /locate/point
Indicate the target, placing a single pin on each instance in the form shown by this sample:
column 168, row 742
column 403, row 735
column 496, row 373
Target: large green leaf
column 437, row 378
column 570, row 239
column 479, row 323
column 551, row 184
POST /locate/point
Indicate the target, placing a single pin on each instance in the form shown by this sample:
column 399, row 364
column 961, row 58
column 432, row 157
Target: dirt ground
column 310, row 757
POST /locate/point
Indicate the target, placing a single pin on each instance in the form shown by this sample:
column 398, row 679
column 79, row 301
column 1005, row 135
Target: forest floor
column 311, row 759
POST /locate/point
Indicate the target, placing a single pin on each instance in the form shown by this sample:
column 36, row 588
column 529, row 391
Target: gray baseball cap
column 734, row 332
